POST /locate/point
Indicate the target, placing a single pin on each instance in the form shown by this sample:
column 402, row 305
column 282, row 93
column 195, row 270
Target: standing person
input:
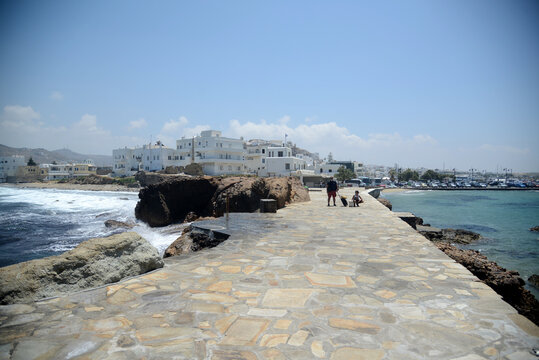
column 332, row 189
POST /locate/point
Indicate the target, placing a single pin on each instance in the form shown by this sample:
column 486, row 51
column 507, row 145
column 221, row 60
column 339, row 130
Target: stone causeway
column 307, row 282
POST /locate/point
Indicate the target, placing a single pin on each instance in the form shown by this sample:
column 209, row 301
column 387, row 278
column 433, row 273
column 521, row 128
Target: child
column 356, row 199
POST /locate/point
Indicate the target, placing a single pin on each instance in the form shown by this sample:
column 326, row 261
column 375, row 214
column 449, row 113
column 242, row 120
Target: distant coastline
column 388, row 190
column 68, row 186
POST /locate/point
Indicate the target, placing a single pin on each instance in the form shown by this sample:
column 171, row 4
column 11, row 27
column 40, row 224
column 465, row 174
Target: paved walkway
column 308, row 282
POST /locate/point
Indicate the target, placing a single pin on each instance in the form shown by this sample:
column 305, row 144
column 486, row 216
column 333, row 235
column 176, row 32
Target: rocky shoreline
column 68, row 186
column 507, row 283
column 176, row 199
column 91, row 264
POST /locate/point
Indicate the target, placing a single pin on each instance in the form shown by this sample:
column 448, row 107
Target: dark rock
column 170, row 201
column 535, row 228
column 454, row 236
column 194, row 239
column 459, row 236
column 534, row 280
column 431, row 233
column 173, row 200
column 506, row 283
column 386, row 203
column 190, row 217
column 151, row 178
column 192, row 169
column 114, row 224
column 410, row 219
column 92, row 263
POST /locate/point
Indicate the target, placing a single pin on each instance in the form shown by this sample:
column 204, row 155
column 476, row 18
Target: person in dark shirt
column 332, row 188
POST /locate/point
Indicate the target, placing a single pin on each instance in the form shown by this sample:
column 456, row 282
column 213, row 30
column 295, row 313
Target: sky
column 431, row 83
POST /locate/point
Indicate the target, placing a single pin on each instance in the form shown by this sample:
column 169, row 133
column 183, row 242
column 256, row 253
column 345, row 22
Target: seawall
column 307, row 282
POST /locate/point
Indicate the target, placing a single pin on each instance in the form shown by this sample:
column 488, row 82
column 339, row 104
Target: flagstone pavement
column 309, row 282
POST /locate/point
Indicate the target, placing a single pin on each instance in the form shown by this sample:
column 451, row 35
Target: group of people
column 332, row 187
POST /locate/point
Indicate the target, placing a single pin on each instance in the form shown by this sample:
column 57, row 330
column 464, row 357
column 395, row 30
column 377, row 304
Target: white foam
column 160, row 238
column 88, row 210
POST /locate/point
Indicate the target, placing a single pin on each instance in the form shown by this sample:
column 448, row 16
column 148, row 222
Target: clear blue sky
column 419, row 83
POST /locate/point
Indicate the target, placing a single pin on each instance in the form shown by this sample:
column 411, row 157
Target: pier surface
column 309, row 282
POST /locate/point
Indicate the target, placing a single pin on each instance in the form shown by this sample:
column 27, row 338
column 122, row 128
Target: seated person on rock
column 356, row 199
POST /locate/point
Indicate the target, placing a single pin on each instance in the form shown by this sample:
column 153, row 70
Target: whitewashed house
column 255, row 157
column 9, row 165
column 217, row 155
column 280, row 162
column 128, row 161
column 325, row 169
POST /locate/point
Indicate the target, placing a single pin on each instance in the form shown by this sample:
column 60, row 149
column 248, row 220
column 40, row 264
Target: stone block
column 268, row 206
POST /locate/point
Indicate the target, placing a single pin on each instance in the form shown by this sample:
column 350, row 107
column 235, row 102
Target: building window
column 329, row 170
column 280, row 154
column 263, row 161
column 170, row 157
column 287, row 166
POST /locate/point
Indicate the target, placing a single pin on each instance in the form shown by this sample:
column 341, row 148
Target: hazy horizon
column 420, row 83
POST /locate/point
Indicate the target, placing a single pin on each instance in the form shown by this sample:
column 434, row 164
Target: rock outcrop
column 115, row 224
column 151, row 178
column 194, row 239
column 173, row 200
column 506, row 283
column 534, row 280
column 453, row 236
column 386, row 203
column 410, row 219
column 93, row 263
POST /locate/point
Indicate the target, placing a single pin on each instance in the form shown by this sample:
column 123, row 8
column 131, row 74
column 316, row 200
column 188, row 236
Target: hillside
column 42, row 156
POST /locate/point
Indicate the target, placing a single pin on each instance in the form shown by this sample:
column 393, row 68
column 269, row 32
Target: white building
column 64, row 171
column 325, row 169
column 280, row 162
column 128, row 161
column 9, row 165
column 255, row 157
column 216, row 155
column 256, row 154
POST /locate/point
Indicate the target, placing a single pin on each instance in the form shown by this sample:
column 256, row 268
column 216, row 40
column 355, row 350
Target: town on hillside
column 216, row 155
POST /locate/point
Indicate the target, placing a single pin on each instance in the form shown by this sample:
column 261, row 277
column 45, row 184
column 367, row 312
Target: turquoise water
column 503, row 218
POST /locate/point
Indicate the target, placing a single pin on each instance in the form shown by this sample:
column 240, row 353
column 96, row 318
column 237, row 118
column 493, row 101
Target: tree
column 408, row 175
column 431, row 175
column 344, row 174
column 31, row 162
column 392, row 174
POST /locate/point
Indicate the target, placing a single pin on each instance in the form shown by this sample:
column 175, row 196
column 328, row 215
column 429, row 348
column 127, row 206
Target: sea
column 36, row 223
column 503, row 218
